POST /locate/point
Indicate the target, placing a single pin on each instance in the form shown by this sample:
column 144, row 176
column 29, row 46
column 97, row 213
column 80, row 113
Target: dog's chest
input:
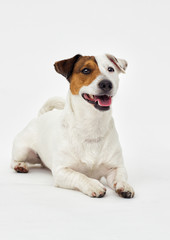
column 90, row 152
column 89, row 156
column 90, row 161
column 88, row 144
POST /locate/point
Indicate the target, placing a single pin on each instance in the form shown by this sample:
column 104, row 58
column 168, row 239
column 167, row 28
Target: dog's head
column 94, row 79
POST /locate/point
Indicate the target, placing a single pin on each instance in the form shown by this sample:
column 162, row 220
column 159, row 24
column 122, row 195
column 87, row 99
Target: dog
column 78, row 141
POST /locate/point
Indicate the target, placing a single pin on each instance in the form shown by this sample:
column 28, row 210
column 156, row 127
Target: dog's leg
column 68, row 178
column 22, row 153
column 117, row 180
column 19, row 158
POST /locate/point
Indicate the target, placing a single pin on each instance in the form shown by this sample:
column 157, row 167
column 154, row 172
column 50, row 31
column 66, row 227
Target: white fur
column 52, row 103
column 78, row 143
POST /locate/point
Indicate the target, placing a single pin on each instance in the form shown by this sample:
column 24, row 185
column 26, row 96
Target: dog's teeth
column 91, row 96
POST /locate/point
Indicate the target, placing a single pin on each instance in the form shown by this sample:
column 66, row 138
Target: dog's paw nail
column 93, row 194
column 119, row 191
column 101, row 194
column 127, row 194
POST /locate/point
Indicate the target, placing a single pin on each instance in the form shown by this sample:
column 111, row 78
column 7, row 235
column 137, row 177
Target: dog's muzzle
column 100, row 102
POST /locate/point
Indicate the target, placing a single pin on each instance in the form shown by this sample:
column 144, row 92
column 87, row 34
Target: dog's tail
column 52, row 103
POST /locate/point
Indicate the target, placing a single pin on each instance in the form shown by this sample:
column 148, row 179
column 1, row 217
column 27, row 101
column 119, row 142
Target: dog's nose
column 105, row 85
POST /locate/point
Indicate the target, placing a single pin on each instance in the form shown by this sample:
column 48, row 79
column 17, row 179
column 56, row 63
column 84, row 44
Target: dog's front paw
column 95, row 189
column 124, row 190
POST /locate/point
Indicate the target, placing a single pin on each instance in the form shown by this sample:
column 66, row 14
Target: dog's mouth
column 101, row 102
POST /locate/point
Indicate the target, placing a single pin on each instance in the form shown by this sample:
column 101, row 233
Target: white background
column 35, row 34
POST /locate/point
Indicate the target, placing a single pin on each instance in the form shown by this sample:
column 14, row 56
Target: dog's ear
column 120, row 63
column 65, row 67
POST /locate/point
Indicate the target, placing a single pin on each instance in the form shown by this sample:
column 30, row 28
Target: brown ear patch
column 78, row 79
column 65, row 67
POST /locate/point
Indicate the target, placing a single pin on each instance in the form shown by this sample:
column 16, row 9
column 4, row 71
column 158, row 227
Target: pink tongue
column 103, row 101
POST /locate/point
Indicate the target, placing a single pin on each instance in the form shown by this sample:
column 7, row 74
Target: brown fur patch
column 78, row 79
column 65, row 67
column 21, row 169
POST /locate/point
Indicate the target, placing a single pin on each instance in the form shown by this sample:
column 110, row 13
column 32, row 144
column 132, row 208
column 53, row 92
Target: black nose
column 105, row 85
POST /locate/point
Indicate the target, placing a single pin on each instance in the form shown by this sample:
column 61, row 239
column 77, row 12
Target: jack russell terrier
column 78, row 141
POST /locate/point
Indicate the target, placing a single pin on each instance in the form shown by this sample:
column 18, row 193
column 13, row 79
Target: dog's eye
column 110, row 69
column 86, row 71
